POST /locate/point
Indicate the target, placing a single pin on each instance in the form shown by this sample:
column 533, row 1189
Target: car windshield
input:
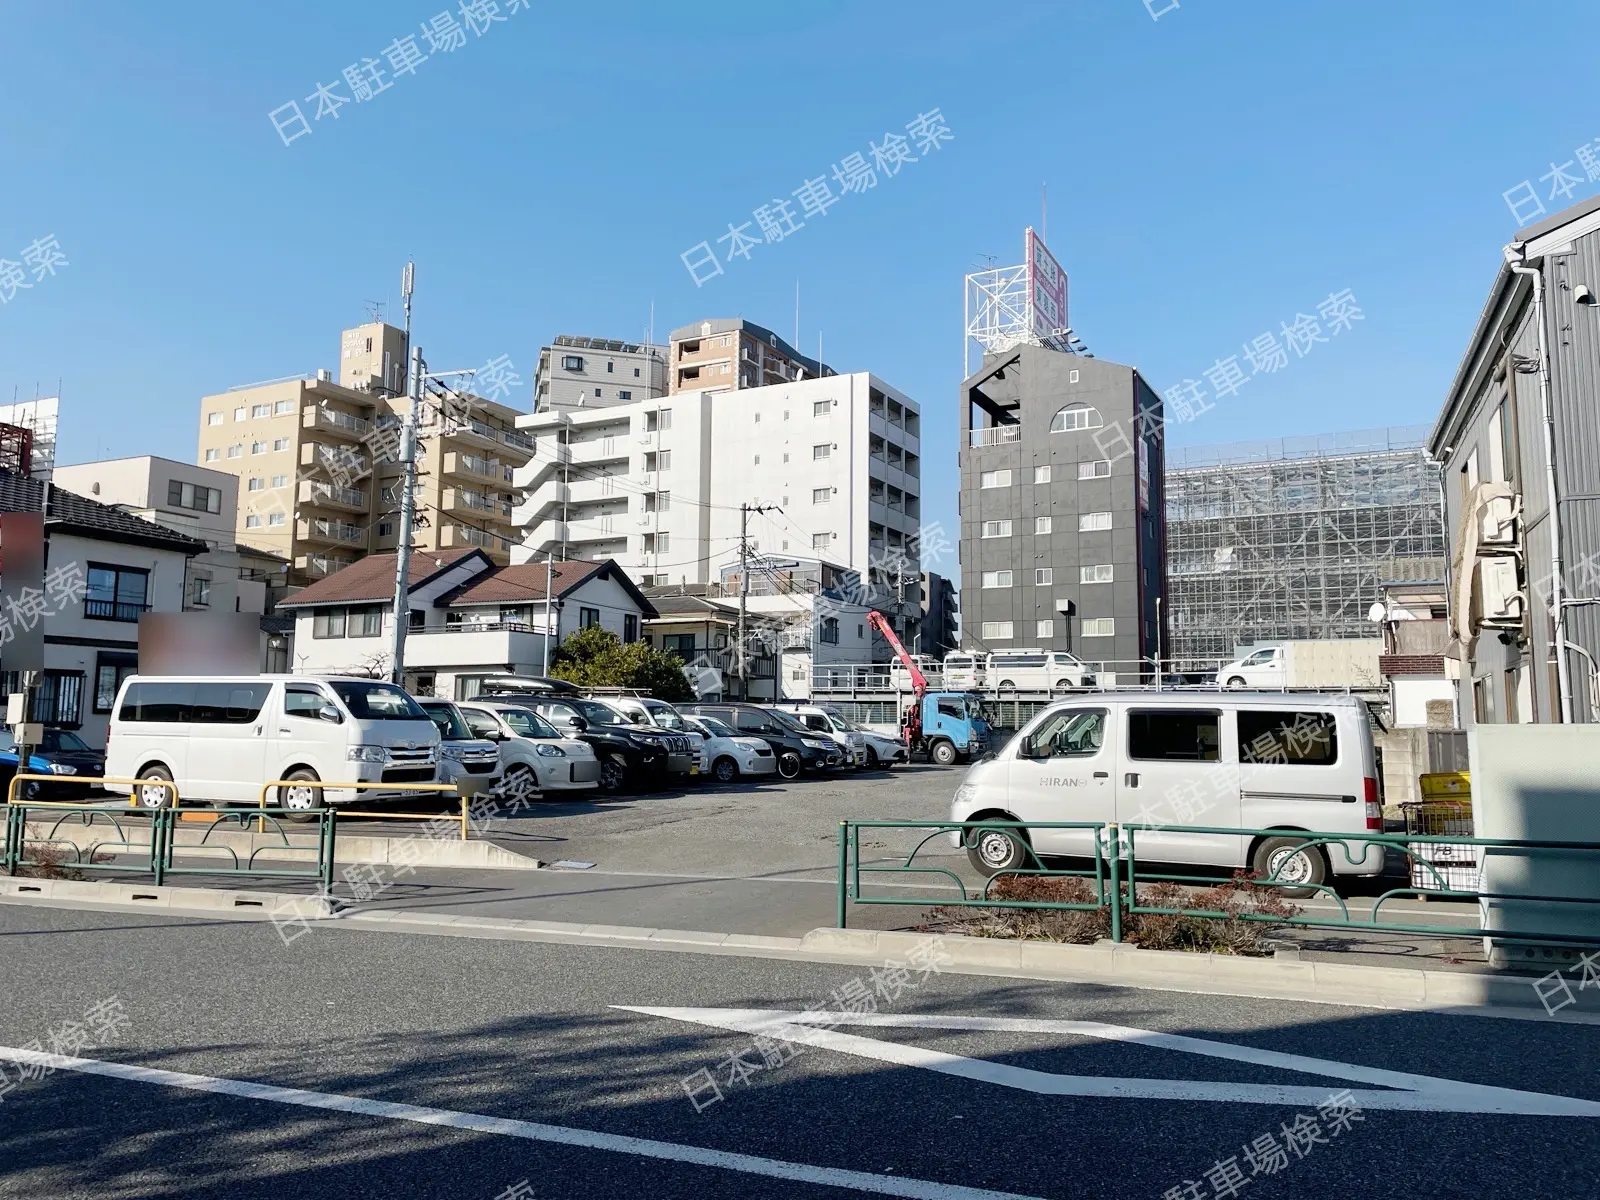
column 596, row 713
column 664, row 715
column 785, row 721
column 447, row 717
column 64, row 739
column 715, row 727
column 377, row 701
column 527, row 724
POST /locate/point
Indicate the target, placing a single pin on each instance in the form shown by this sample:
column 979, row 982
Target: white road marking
column 858, row 1181
column 1414, row 1093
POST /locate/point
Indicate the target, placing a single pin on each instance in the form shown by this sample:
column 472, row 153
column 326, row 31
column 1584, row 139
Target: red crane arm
column 919, row 681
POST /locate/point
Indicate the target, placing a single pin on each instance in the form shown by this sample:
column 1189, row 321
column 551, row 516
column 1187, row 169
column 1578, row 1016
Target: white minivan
column 1036, row 671
column 220, row 738
column 1234, row 760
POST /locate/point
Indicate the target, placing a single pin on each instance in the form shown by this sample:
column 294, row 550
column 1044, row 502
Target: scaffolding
column 1290, row 539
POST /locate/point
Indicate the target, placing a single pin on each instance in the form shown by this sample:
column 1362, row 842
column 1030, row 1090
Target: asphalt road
column 460, row 1068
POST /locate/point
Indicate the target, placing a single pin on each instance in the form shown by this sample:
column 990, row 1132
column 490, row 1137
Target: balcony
column 517, row 441
column 469, row 503
column 470, row 431
column 320, row 565
column 996, row 435
column 114, row 610
column 330, row 532
column 329, row 495
column 340, row 462
column 493, row 647
column 332, row 420
column 457, row 537
column 472, row 468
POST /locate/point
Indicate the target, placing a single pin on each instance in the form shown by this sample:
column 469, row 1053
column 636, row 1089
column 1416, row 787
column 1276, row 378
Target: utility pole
column 744, row 585
column 408, row 483
column 549, row 606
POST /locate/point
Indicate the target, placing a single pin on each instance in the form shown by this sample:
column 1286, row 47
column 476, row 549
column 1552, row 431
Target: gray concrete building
column 939, row 631
column 587, row 372
column 1519, row 440
column 728, row 353
column 1062, row 508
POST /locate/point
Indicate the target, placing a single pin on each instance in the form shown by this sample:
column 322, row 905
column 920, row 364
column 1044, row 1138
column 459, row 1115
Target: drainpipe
column 1515, row 259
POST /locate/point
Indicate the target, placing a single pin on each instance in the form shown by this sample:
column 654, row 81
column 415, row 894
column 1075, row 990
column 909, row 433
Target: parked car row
column 223, row 740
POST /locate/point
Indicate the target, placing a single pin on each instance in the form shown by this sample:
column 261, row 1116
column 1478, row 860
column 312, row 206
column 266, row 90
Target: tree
column 596, row 657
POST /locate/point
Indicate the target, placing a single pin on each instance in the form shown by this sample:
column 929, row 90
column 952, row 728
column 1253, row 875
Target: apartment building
column 729, row 353
column 585, row 372
column 939, row 631
column 1062, row 508
column 316, row 463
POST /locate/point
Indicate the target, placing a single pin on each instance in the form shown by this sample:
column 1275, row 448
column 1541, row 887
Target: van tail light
column 1374, row 809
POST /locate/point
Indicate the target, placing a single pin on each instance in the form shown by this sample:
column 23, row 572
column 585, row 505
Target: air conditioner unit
column 1501, row 603
column 1498, row 525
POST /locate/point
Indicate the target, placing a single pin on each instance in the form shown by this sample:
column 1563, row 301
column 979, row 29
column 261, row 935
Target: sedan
column 725, row 754
column 63, row 753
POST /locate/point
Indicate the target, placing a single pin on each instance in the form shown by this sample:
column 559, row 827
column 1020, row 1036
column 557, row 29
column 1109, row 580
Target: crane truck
column 946, row 727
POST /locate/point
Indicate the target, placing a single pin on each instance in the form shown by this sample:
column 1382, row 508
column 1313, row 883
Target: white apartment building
column 656, row 485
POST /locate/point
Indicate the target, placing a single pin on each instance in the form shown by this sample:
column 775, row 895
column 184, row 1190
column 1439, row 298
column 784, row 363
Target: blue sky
column 1210, row 173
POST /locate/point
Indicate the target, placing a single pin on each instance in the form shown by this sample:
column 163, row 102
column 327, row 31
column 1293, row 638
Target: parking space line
column 587, row 1139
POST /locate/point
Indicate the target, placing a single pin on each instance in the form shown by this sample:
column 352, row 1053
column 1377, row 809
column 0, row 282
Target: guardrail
column 1117, row 875
column 472, row 788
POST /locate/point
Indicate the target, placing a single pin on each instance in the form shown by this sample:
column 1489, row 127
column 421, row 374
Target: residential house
column 704, row 632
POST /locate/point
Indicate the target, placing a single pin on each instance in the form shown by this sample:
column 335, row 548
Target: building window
column 657, row 543
column 830, row 630
column 279, row 481
column 658, row 502
column 821, row 450
column 213, row 455
column 111, row 667
column 116, row 593
column 994, row 479
column 1099, row 573
column 200, row 592
column 636, row 372
column 385, row 528
column 1043, row 576
column 1041, row 524
column 821, row 408
column 283, row 406
column 1044, row 629
column 571, row 362
column 821, row 495
column 624, row 394
column 1041, row 474
column 57, row 697
column 996, row 631
column 261, row 410
column 256, row 484
column 588, row 617
column 1075, row 417
column 280, row 443
column 1072, row 377
column 328, row 623
column 1099, row 627
column 611, row 367
column 238, row 413
column 258, row 447
column 235, row 451
column 996, row 529
column 598, row 393
column 214, row 418
column 275, row 518
column 997, row 579
column 252, row 521
column 194, row 497
column 1089, row 522
column 630, row 627
column 664, row 460
column 366, row 621
column 1096, row 469
column 821, row 541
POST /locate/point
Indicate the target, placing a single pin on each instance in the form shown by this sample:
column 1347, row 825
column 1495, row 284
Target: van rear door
column 1299, row 770
column 1176, row 767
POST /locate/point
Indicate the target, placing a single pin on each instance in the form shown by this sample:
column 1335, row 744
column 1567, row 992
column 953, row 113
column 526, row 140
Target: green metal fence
column 1117, row 875
column 155, row 855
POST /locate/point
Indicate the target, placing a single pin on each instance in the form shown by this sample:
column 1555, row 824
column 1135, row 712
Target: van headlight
column 372, row 754
column 814, row 743
column 548, row 751
column 455, row 752
column 967, row 793
column 63, row 769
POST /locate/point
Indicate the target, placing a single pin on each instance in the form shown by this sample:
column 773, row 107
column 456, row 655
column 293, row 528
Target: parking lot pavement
column 355, row 1064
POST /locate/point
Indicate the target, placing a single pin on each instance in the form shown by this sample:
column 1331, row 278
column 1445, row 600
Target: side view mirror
column 329, row 713
column 577, row 723
column 636, row 718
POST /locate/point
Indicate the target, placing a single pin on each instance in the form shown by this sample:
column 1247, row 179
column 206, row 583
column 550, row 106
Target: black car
column 61, row 753
column 797, row 748
column 629, row 754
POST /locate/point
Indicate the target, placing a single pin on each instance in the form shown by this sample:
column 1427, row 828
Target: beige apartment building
column 316, row 461
column 726, row 353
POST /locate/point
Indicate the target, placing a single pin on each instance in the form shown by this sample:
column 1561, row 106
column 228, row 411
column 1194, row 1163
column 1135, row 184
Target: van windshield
column 377, row 701
column 665, row 716
column 448, row 719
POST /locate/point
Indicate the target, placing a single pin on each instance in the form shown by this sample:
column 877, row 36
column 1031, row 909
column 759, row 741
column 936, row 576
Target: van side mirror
column 329, row 713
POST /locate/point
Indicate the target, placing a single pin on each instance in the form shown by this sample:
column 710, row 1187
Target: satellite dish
column 1377, row 614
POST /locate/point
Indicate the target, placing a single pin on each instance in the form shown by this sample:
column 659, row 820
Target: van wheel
column 1297, row 866
column 943, row 753
column 613, row 774
column 301, row 800
column 991, row 851
column 1008, row 685
column 1236, row 682
column 1065, row 685
column 725, row 770
column 789, row 765
column 154, row 797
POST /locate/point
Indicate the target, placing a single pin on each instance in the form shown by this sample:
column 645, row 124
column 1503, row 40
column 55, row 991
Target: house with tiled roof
column 467, row 618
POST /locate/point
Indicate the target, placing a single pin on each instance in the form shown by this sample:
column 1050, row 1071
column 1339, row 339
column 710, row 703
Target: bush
column 50, row 862
column 1229, row 934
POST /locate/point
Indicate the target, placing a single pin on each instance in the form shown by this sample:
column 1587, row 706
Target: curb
column 209, row 902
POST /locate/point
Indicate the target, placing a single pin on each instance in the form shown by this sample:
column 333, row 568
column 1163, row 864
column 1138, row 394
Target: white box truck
column 1320, row 663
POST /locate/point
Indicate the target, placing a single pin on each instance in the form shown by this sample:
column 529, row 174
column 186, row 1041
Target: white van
column 1036, row 671
column 1231, row 759
column 219, row 738
column 963, row 672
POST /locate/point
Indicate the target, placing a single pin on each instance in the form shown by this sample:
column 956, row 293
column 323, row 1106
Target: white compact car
column 725, row 754
column 531, row 751
column 463, row 757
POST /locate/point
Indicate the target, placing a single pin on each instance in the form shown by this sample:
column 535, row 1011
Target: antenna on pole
column 797, row 313
column 1044, row 211
column 408, row 275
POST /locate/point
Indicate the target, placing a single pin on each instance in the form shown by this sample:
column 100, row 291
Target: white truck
column 1319, row 663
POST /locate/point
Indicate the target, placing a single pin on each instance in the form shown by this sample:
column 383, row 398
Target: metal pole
column 408, row 483
column 549, row 606
column 744, row 591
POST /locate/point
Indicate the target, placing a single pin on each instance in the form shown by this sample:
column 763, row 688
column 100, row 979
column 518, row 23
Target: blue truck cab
column 953, row 727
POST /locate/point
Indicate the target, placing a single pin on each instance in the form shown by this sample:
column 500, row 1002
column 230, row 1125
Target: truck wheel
column 613, row 774
column 1297, row 866
column 943, row 753
column 301, row 800
column 789, row 765
column 1236, row 682
column 153, row 797
column 995, row 850
column 725, row 770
